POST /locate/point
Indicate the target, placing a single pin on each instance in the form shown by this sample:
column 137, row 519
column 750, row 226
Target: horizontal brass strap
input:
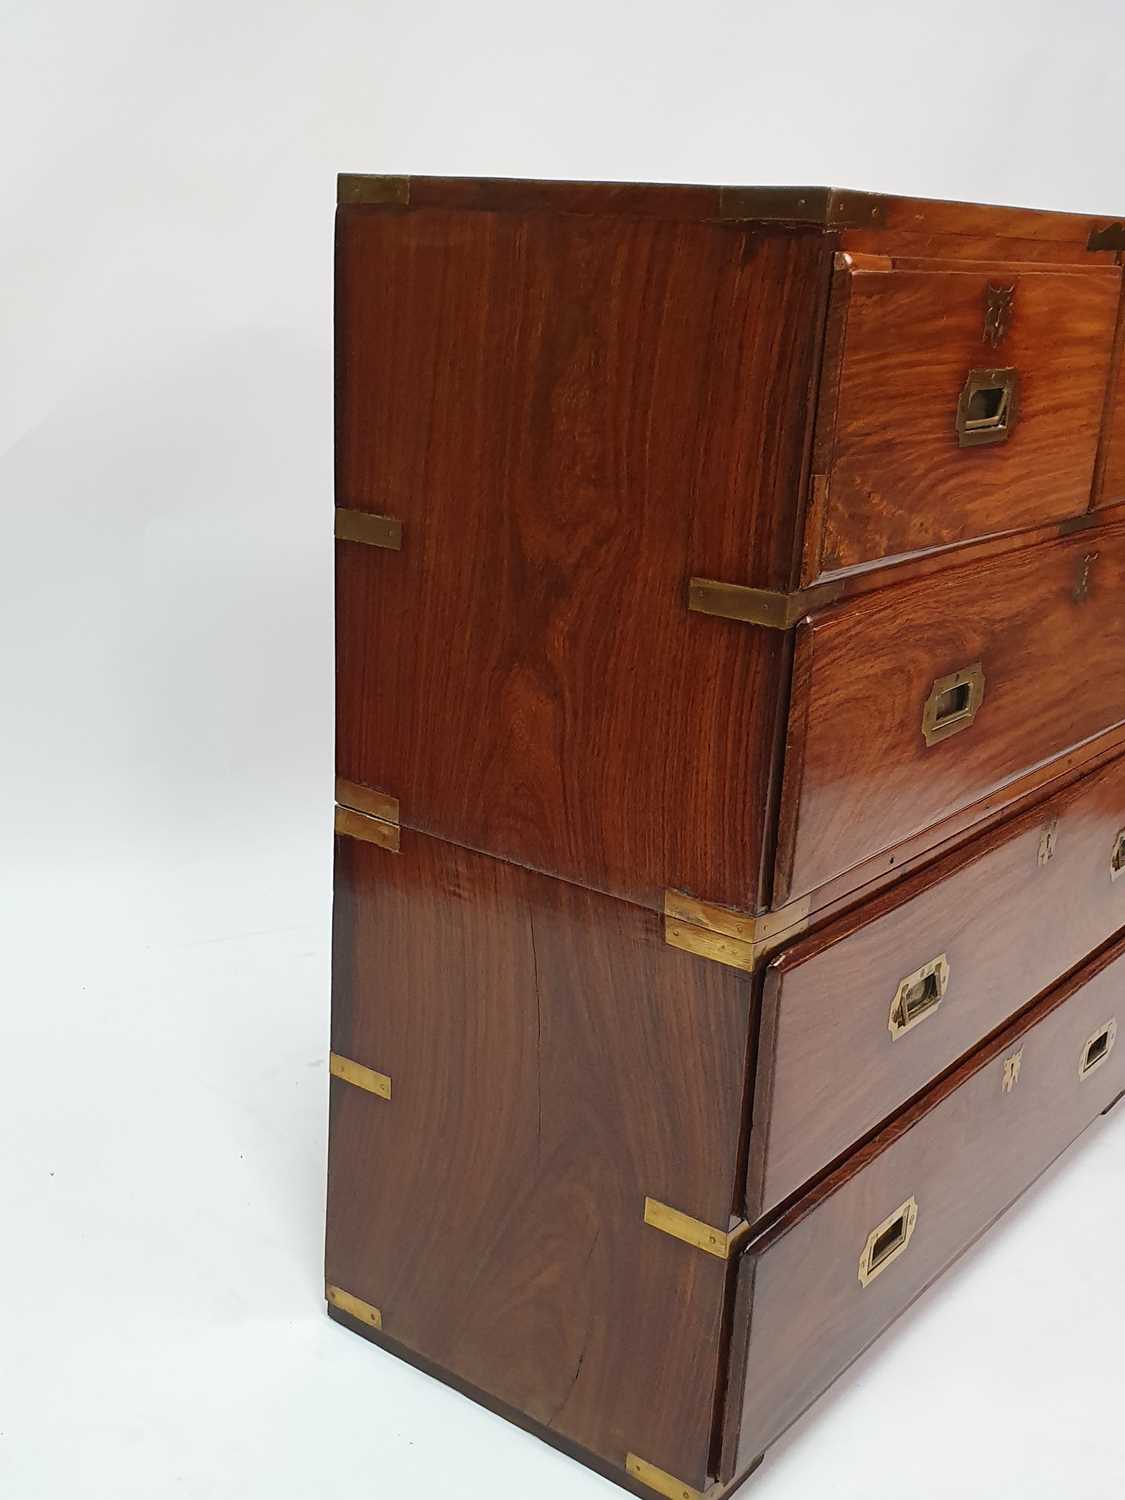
column 776, row 611
column 356, row 825
column 363, row 1078
column 362, row 187
column 718, row 1242
column 660, row 1481
column 355, row 1307
column 370, row 529
column 730, row 937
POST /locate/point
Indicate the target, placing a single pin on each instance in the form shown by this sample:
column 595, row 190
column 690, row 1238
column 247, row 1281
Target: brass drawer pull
column 918, row 996
column 953, row 703
column 1097, row 1049
column 887, row 1241
column 986, row 411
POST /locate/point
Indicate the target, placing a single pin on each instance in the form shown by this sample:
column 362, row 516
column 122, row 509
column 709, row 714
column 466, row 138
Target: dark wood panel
column 896, row 480
column 1011, row 913
column 859, row 776
column 553, row 1062
column 571, row 417
column 965, row 1151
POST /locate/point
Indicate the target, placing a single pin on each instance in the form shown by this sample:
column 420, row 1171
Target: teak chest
column 730, row 780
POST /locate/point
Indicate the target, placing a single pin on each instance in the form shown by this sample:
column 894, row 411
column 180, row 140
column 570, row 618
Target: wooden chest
column 731, row 781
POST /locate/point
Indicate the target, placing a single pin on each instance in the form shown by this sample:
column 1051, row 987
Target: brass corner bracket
column 359, row 1076
column 364, row 813
column 355, row 1307
column 717, row 1242
column 1108, row 237
column 369, row 528
column 820, row 207
column 775, row 610
column 660, row 1481
column 361, row 187
column 730, row 937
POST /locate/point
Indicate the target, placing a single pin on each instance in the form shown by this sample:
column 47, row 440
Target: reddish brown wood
column 860, row 778
column 553, row 1062
column 965, row 1150
column 828, row 1070
column 896, row 481
column 1109, row 478
column 571, row 416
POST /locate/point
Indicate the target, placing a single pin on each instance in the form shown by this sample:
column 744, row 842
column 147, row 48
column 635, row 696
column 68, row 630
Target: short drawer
column 816, row 1288
column 956, row 403
column 859, row 1017
column 912, row 704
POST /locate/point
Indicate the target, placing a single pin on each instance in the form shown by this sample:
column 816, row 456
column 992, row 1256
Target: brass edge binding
column 826, row 208
column 366, row 799
column 355, row 1307
column 355, row 1073
column 777, row 611
column 357, row 825
column 717, row 1242
column 730, row 937
column 361, row 187
column 369, row 528
column 660, row 1481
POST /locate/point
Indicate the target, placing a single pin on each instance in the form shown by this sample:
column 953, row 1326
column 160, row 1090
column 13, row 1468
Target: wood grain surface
column 553, row 1062
column 965, row 1151
column 1046, row 626
column 896, row 480
column 1009, row 925
column 570, row 416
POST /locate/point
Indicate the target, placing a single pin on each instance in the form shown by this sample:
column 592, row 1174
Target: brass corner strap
column 822, row 207
column 730, row 937
column 355, row 1307
column 362, row 1078
column 776, row 611
column 364, row 813
column 368, row 527
column 718, row 1242
column 664, row 1483
column 362, row 187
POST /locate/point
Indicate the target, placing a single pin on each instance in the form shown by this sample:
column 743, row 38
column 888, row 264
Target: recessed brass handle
column 986, row 410
column 918, row 996
column 887, row 1241
column 1097, row 1049
column 953, row 703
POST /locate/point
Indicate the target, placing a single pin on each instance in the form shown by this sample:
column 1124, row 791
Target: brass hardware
column 367, row 527
column 355, row 1307
column 953, row 703
column 1012, row 1066
column 918, row 996
column 766, row 607
column 356, row 825
column 828, row 208
column 887, row 1241
column 719, row 1242
column 729, row 937
column 356, row 1073
column 656, row 1479
column 1117, row 858
column 997, row 312
column 1082, row 584
column 1048, row 841
column 1108, row 237
column 358, row 187
column 366, row 799
column 1097, row 1049
column 987, row 408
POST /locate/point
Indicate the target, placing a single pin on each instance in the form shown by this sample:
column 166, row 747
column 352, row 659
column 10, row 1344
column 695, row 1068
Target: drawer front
column 912, row 704
column 815, row 1290
column 860, row 1017
column 956, row 404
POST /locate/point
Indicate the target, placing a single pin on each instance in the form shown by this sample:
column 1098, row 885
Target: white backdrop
column 166, row 201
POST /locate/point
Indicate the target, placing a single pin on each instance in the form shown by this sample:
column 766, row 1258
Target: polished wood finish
column 966, row 1150
column 532, row 632
column 1011, row 912
column 554, row 1062
column 904, row 339
column 859, row 777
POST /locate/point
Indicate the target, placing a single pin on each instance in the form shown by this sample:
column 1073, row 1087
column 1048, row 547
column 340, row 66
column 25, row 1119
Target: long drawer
column 816, row 1288
column 914, row 703
column 862, row 1015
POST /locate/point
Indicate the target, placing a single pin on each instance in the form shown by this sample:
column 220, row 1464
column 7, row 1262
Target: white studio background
column 166, row 202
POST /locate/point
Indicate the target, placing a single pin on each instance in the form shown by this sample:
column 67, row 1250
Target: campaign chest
column 730, row 780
